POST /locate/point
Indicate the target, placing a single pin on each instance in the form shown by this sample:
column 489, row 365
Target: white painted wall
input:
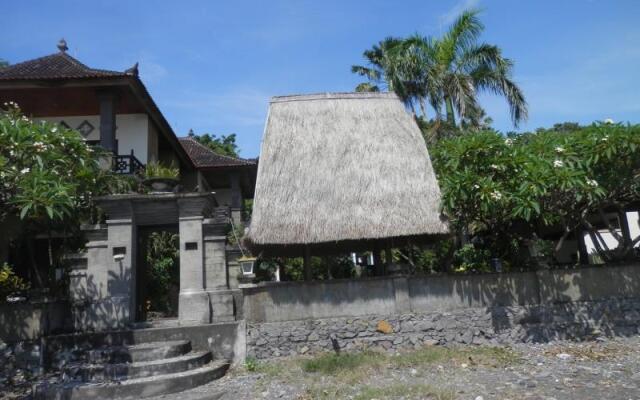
column 132, row 132
column 611, row 242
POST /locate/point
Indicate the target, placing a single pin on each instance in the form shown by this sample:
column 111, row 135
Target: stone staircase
column 134, row 372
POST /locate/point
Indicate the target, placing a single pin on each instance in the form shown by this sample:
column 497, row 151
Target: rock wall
column 488, row 325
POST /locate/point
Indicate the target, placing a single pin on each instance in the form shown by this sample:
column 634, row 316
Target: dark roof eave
column 132, row 81
column 152, row 109
column 341, row 246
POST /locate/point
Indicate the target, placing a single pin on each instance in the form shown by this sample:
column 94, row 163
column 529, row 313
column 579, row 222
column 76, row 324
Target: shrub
column 158, row 170
column 10, row 283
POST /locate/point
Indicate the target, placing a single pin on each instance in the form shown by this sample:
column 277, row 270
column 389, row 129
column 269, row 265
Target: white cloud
column 453, row 13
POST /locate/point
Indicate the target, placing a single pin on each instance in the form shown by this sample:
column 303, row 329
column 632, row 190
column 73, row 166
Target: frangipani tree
column 506, row 186
column 48, row 176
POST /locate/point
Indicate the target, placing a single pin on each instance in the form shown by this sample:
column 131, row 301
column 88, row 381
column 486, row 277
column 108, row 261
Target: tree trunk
column 451, row 118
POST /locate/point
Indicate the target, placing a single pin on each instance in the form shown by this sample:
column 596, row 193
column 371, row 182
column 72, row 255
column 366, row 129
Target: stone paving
column 601, row 369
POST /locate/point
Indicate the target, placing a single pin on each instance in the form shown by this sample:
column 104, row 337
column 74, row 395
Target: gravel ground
column 606, row 369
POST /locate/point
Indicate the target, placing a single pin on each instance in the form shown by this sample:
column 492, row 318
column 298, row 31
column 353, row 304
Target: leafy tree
column 447, row 72
column 499, row 190
column 49, row 177
column 3, row 63
column 224, row 145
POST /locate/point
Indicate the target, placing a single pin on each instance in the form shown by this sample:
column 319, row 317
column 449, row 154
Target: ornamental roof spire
column 62, row 45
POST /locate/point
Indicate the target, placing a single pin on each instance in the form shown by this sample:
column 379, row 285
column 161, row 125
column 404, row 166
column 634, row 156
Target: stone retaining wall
column 495, row 325
column 301, row 317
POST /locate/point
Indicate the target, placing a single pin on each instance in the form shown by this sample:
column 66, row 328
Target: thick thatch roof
column 339, row 170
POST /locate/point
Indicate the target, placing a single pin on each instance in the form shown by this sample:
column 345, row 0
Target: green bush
column 10, row 283
column 159, row 170
column 468, row 258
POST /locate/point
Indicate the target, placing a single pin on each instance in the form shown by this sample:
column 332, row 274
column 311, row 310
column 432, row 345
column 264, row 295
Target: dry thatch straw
column 339, row 170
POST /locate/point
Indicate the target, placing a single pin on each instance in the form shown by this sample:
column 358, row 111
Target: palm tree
column 468, row 68
column 448, row 72
column 387, row 70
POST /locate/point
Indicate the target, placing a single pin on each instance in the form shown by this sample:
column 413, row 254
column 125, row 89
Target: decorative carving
column 85, row 128
column 62, row 46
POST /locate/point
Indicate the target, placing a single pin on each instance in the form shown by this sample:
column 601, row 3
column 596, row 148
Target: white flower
column 476, row 186
column 12, row 153
column 559, row 149
column 558, row 163
column 496, row 195
column 608, row 121
column 25, row 170
column 508, row 141
column 39, row 146
column 494, row 166
column 592, row 182
column 54, row 129
column 604, row 139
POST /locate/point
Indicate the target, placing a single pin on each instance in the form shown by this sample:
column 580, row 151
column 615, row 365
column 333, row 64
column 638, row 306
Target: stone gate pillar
column 107, row 285
column 194, row 303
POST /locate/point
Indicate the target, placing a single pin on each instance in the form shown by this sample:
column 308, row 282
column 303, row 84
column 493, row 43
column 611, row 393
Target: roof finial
column 133, row 70
column 191, row 132
column 62, row 45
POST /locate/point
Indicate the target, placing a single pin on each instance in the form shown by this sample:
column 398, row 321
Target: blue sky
column 212, row 66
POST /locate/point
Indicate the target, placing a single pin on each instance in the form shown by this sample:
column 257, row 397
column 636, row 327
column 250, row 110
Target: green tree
column 3, row 63
column 502, row 189
column 49, row 177
column 447, row 73
column 224, row 145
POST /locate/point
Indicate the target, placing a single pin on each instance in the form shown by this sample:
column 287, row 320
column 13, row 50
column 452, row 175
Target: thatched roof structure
column 342, row 171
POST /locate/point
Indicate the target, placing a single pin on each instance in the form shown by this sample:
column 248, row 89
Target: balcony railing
column 127, row 165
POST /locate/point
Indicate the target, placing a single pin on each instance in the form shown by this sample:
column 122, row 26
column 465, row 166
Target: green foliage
column 224, row 145
column 292, row 269
column 333, row 364
column 251, row 364
column 445, row 73
column 49, row 174
column 501, row 189
column 469, row 258
column 159, row 170
column 162, row 256
column 3, row 63
column 10, row 283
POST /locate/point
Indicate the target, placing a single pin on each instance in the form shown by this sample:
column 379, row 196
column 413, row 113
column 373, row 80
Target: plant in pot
column 161, row 178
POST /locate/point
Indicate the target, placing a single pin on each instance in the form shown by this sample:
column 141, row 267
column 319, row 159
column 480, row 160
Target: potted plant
column 161, row 178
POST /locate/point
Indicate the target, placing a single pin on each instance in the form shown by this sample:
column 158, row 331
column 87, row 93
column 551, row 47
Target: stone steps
column 134, row 372
column 139, row 387
column 141, row 369
column 139, row 352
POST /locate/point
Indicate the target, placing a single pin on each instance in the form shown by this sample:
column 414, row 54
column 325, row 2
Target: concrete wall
column 31, row 320
column 288, row 301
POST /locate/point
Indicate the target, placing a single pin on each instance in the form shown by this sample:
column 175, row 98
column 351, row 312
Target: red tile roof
column 55, row 66
column 204, row 157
